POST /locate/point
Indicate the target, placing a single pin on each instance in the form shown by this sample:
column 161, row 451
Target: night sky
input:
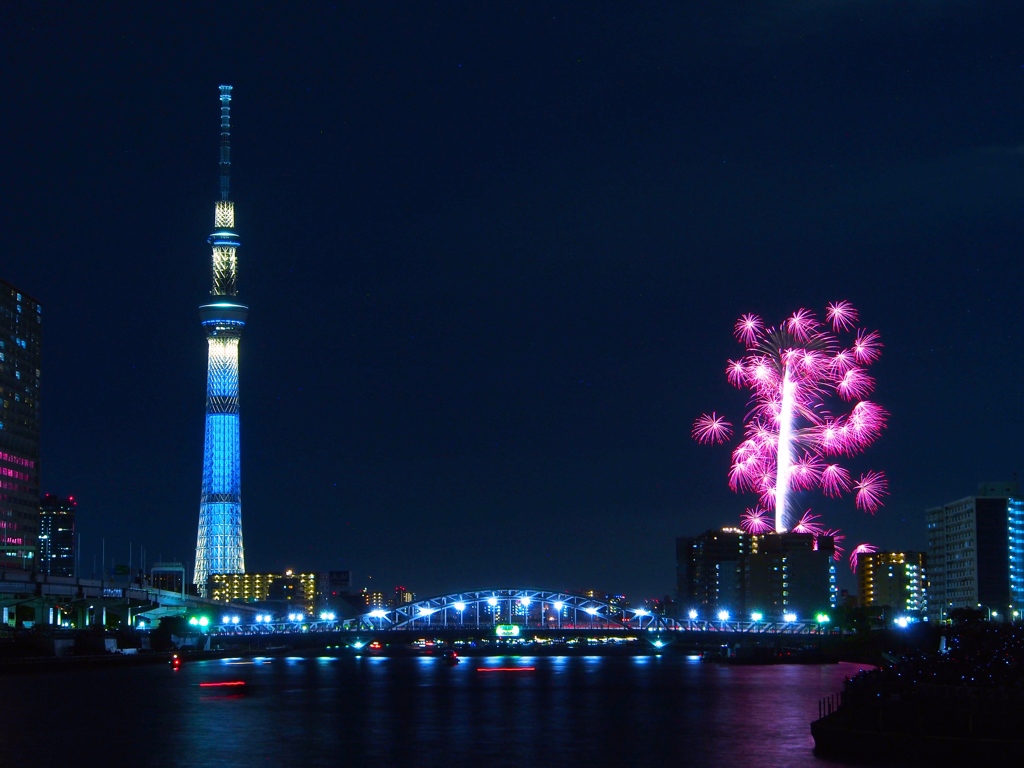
column 494, row 253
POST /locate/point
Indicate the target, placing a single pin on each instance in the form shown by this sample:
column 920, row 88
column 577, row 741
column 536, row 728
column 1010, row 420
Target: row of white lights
column 460, row 606
column 789, row 618
column 266, row 618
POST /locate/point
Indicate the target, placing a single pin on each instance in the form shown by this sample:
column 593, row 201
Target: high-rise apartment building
column 20, row 361
column 56, row 536
column 219, row 542
column 710, row 570
column 772, row 574
column 895, row 579
column 976, row 553
column 792, row 573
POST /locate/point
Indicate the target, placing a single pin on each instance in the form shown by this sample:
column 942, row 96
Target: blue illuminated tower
column 219, row 544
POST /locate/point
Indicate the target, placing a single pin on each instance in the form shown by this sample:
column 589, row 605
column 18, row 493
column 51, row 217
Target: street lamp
column 525, row 602
column 723, row 616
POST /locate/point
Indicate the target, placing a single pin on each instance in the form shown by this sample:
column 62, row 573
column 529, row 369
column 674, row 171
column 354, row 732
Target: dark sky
column 493, row 254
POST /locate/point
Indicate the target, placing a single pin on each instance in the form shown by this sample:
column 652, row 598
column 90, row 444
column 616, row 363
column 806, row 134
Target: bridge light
column 559, row 605
column 194, row 621
column 693, row 614
column 590, row 609
column 492, row 601
column 424, row 611
column 723, row 615
column 226, row 620
column 460, row 606
column 524, row 601
column 822, row 618
column 378, row 613
column 203, row 621
column 641, row 612
column 234, row 619
column 789, row 618
column 756, row 616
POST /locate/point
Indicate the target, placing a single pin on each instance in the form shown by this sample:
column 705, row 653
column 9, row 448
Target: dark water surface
column 363, row 711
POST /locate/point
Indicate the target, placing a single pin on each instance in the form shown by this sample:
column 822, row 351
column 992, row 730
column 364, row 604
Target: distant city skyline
column 496, row 253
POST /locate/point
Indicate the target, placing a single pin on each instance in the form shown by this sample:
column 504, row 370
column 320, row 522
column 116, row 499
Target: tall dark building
column 771, row 574
column 56, row 536
column 20, row 361
column 710, row 570
column 792, row 573
column 976, row 553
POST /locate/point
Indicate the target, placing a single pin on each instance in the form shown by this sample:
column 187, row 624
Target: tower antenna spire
column 225, row 142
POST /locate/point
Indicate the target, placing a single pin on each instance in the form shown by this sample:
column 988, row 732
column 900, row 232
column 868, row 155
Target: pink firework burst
column 711, row 428
column 867, row 347
column 860, row 549
column 807, row 524
column 870, row 489
column 756, row 521
column 747, row 328
column 808, row 410
column 842, row 315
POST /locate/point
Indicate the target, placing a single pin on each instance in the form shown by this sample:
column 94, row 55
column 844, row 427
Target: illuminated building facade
column 219, row 543
column 976, row 554
column 20, row 360
column 296, row 590
column 402, row 597
column 895, row 579
column 56, row 536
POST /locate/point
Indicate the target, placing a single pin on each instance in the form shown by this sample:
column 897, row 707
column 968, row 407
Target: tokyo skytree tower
column 219, row 544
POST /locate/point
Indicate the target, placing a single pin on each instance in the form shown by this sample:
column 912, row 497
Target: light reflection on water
column 487, row 711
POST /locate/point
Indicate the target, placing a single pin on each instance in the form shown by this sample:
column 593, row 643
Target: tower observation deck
column 219, row 543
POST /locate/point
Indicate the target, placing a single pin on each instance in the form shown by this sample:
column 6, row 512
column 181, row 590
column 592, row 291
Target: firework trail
column 799, row 374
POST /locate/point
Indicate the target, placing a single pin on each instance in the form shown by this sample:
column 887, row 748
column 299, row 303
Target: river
column 370, row 711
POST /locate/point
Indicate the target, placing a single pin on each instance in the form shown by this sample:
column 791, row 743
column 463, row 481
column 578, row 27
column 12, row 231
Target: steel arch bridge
column 533, row 608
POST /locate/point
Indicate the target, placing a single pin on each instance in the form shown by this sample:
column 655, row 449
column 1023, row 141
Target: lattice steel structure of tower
column 219, row 544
